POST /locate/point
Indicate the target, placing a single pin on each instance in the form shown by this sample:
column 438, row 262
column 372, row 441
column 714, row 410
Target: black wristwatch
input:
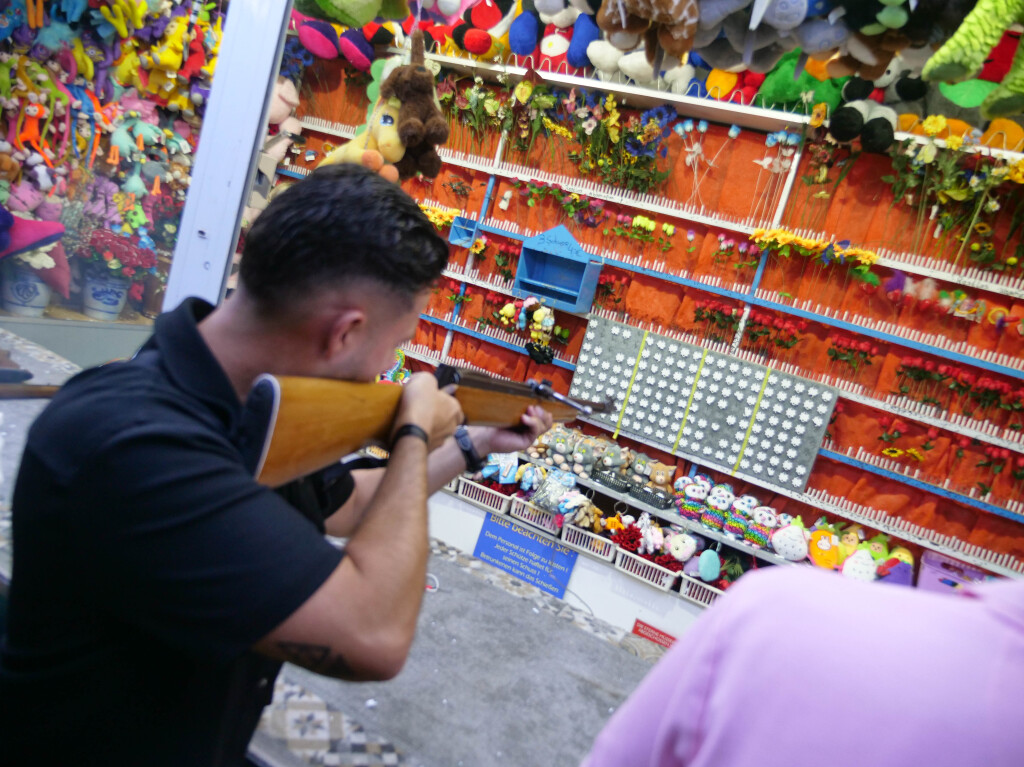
column 473, row 460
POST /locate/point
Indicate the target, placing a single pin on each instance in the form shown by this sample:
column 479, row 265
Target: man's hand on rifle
column 435, row 411
column 535, row 422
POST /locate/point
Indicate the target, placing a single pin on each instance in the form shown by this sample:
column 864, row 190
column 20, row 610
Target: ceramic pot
column 24, row 293
column 104, row 296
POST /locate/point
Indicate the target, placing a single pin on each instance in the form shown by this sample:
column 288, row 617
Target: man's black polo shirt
column 147, row 562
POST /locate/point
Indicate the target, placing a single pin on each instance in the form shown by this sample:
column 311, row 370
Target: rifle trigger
column 447, row 375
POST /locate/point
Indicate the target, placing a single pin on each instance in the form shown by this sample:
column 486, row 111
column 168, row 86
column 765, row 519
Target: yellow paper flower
column 478, row 246
column 668, row 229
column 933, row 125
column 1017, row 172
column 892, row 452
column 818, row 114
column 915, row 454
column 954, row 142
column 523, row 91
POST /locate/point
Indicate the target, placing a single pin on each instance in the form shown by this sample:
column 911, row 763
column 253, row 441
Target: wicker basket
column 589, row 543
column 645, row 570
column 698, row 592
column 534, row 516
column 484, row 497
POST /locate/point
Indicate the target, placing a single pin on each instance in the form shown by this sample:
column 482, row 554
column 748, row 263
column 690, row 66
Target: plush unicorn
column 652, row 539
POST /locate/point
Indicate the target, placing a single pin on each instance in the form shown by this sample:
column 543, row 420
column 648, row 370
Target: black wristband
column 410, row 430
column 473, row 460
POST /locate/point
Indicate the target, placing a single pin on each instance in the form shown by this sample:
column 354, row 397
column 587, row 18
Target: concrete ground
column 500, row 674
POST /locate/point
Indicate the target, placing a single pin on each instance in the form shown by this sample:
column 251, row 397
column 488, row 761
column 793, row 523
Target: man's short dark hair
column 340, row 224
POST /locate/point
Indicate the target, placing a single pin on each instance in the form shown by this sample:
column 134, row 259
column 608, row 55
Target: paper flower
column 933, row 125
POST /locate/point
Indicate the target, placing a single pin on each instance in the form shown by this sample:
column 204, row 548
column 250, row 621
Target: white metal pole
column 225, row 162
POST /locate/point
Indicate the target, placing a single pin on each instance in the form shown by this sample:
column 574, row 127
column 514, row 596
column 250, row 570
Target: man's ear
column 344, row 329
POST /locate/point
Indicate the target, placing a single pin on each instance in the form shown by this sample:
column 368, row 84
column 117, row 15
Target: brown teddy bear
column 661, row 477
column 421, row 123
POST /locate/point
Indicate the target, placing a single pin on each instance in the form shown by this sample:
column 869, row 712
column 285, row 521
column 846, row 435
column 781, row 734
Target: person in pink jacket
column 803, row 668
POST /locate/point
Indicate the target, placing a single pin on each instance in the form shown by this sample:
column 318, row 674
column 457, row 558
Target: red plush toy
column 484, row 26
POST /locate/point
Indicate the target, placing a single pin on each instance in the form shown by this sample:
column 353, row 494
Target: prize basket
column 645, row 570
column 484, row 497
column 453, row 486
column 696, row 591
column 612, row 480
column 589, row 543
column 655, row 498
column 533, row 516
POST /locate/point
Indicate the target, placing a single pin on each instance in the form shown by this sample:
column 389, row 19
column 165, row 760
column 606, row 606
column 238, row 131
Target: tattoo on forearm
column 316, row 658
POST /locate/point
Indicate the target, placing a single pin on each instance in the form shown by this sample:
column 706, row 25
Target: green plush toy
column 781, row 90
column 964, row 55
column 353, row 13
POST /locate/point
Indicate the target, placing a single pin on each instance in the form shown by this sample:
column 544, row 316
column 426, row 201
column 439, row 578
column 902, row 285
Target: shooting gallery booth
column 770, row 281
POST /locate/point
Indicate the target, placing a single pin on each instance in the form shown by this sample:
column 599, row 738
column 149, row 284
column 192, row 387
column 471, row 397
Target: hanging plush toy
column 353, row 13
column 377, row 145
column 861, row 117
column 672, row 25
column 965, row 53
column 421, row 123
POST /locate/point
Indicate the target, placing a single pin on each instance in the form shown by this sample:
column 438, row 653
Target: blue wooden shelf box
column 554, row 267
column 463, row 232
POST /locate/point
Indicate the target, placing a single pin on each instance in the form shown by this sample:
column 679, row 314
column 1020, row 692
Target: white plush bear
column 681, row 546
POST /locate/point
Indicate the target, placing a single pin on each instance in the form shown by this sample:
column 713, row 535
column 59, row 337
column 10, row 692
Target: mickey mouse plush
column 484, row 28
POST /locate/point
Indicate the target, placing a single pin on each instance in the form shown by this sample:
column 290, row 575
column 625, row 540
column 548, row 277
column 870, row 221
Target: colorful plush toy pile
column 562, row 458
column 721, row 49
column 103, row 102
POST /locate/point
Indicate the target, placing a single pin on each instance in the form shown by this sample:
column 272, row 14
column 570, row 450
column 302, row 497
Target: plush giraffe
column 671, row 24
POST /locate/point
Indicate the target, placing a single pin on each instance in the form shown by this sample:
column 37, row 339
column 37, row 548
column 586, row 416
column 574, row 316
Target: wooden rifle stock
column 313, row 422
column 27, row 391
column 294, row 426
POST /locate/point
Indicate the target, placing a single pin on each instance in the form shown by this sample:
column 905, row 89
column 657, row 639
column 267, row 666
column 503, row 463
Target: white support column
column 447, row 347
column 225, row 162
column 787, row 188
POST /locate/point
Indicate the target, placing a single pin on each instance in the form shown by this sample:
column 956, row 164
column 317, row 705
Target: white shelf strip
column 321, row 125
column 1006, row 154
column 633, row 95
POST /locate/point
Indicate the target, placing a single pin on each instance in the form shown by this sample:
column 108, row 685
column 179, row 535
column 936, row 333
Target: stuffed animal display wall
column 405, row 126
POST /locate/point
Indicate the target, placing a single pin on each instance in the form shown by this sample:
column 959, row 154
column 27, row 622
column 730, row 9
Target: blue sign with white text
column 527, row 555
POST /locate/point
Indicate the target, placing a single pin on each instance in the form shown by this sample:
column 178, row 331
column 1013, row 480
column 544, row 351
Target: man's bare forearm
column 443, row 465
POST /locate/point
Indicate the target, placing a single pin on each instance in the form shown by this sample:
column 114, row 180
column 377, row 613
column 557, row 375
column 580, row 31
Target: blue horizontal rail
column 491, row 339
column 922, row 485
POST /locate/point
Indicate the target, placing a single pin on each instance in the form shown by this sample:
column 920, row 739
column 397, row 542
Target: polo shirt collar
column 189, row 362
